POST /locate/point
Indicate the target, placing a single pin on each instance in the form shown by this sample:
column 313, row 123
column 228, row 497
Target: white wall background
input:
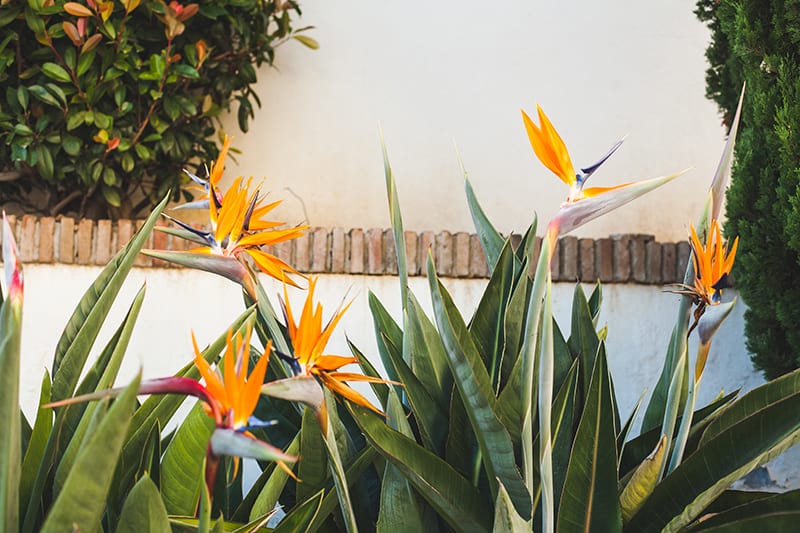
column 639, row 319
column 461, row 70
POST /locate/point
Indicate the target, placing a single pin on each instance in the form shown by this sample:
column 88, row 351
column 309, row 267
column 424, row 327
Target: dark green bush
column 758, row 42
column 102, row 104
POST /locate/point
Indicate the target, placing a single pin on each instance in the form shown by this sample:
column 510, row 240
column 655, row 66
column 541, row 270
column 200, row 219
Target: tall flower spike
column 309, row 339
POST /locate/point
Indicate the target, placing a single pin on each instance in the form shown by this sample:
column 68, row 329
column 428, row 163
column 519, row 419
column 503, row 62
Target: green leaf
column 491, row 240
column 83, row 498
column 276, row 480
column 56, row 72
column 769, row 512
column 395, row 218
column 332, row 445
column 475, row 388
column 643, row 481
column 705, row 474
column 583, row 341
column 313, row 468
column 43, row 95
column 10, row 437
column 589, row 501
column 488, row 322
column 506, row 518
column 85, row 323
column 399, row 508
column 182, row 466
column 71, row 145
column 299, row 520
column 428, row 357
column 385, row 326
column 34, row 454
column 752, row 402
column 456, row 500
column 308, row 42
column 144, row 510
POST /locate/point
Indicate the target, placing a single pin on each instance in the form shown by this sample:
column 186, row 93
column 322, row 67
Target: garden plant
column 103, row 104
column 500, row 422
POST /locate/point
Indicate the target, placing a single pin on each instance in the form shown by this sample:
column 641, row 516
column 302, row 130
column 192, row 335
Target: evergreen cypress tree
column 758, row 42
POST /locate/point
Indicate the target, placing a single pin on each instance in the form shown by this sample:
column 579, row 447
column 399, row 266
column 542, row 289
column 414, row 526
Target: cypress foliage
column 758, row 42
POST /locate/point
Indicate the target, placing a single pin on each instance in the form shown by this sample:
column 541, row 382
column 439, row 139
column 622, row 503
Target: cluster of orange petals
column 234, row 393
column 309, row 338
column 712, row 264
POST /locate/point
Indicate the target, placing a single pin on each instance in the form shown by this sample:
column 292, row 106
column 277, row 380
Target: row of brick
column 624, row 258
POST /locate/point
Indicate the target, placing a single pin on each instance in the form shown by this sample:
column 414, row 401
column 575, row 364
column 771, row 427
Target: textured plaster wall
column 434, row 73
column 639, row 319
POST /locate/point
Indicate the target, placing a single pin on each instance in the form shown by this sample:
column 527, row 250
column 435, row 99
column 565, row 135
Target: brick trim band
column 627, row 258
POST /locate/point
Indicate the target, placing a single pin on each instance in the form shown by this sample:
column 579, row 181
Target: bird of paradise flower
column 229, row 396
column 238, row 233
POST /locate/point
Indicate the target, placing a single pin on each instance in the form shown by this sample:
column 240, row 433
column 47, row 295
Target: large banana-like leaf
column 453, row 497
column 488, row 321
column 267, row 496
column 704, row 475
column 397, row 225
column 83, row 497
column 491, row 240
column 299, row 520
column 144, row 510
column 182, row 466
column 589, row 500
column 333, row 440
column 506, row 519
column 313, row 468
column 428, row 358
column 386, row 326
column 34, row 454
column 583, row 341
column 83, row 326
column 429, row 415
column 753, row 401
column 772, row 512
column 475, row 389
column 10, row 440
column 399, row 507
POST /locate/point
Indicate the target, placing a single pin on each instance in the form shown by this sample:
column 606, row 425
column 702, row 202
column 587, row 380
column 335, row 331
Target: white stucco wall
column 461, row 70
column 639, row 319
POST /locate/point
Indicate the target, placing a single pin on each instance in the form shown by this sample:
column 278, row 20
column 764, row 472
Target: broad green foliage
column 103, row 104
column 498, row 420
column 755, row 42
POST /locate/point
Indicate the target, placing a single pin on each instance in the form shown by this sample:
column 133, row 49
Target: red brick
column 654, row 262
column 338, row 248
column 622, row 257
column 375, row 251
column 569, row 259
column 103, row 251
column 604, row 256
column 66, row 241
column 47, row 233
column 461, row 256
column 124, row 233
column 478, row 267
column 516, row 239
column 389, row 252
column 586, row 260
column 669, row 260
column 444, row 253
column 411, row 243
column 26, row 239
column 302, row 253
column 356, row 251
column 85, row 244
column 319, row 252
column 638, row 250
column 427, row 246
